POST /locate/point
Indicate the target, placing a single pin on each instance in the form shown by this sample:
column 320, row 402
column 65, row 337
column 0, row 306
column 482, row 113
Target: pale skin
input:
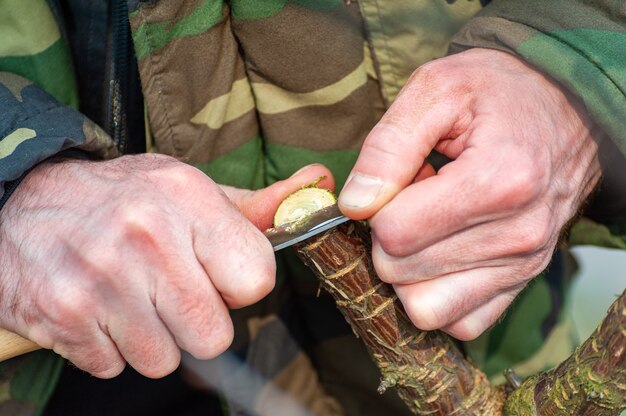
column 130, row 260
column 459, row 245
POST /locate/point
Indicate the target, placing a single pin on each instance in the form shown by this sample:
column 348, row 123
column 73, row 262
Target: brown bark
column 431, row 374
column 592, row 382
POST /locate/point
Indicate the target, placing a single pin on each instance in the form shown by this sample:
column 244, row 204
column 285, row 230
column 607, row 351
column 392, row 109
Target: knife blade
column 295, row 232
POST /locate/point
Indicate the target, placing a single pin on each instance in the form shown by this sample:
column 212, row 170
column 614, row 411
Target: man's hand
column 460, row 245
column 131, row 259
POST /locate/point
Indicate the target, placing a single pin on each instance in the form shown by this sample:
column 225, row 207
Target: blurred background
column 601, row 278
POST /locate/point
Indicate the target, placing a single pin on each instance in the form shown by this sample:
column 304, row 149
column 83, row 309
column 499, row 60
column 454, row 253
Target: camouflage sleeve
column 580, row 43
column 35, row 126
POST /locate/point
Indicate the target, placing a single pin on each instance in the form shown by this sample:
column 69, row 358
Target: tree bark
column 428, row 370
column 592, row 382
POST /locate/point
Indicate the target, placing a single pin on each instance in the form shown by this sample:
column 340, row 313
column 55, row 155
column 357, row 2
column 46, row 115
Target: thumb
column 260, row 206
column 394, row 151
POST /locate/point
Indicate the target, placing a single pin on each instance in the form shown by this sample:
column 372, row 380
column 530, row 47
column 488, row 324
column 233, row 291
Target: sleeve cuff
column 11, row 186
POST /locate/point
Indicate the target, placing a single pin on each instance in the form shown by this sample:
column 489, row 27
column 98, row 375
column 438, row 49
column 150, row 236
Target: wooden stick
column 429, row 372
column 12, row 345
column 592, row 382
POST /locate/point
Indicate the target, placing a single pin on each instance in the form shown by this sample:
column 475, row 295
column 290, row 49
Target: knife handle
column 12, row 345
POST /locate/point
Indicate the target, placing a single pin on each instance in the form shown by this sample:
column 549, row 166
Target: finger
column 466, row 192
column 69, row 326
column 424, row 172
column 144, row 341
column 524, row 243
column 395, row 150
column 237, row 257
column 436, row 303
column 93, row 351
column 99, row 357
column 472, row 325
column 260, row 206
column 197, row 318
column 193, row 310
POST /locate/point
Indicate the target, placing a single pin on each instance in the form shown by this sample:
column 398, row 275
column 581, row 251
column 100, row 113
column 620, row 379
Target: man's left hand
column 459, row 245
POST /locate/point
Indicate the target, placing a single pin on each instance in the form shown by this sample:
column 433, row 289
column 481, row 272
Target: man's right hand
column 130, row 260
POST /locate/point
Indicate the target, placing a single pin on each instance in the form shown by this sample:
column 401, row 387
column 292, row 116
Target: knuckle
column 424, row 315
column 398, row 269
column 105, row 370
column 147, row 161
column 220, row 337
column 98, row 360
column 139, row 218
column 393, row 131
column 477, row 322
column 386, row 268
column 521, row 187
column 440, row 77
column 528, row 240
column 533, row 265
column 139, row 224
column 209, row 329
column 197, row 313
column 251, row 275
column 465, row 331
column 390, row 234
column 180, row 178
column 157, row 363
column 427, row 73
column 101, row 266
column 68, row 311
column 257, row 286
column 387, row 140
column 535, row 236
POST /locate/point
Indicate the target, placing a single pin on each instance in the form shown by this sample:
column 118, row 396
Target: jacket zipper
column 118, row 74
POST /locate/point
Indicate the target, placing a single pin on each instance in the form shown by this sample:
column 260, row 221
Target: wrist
column 11, row 186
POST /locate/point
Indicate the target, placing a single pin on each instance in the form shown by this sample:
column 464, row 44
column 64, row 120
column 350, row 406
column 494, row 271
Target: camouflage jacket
column 251, row 91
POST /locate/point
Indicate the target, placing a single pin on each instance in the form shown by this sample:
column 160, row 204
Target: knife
column 295, row 232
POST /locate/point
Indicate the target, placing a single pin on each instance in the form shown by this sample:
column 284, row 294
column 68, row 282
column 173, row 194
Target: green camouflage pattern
column 37, row 93
column 35, row 126
column 582, row 48
column 250, row 101
column 405, row 34
column 33, row 48
column 251, row 91
column 297, row 116
column 27, row 382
